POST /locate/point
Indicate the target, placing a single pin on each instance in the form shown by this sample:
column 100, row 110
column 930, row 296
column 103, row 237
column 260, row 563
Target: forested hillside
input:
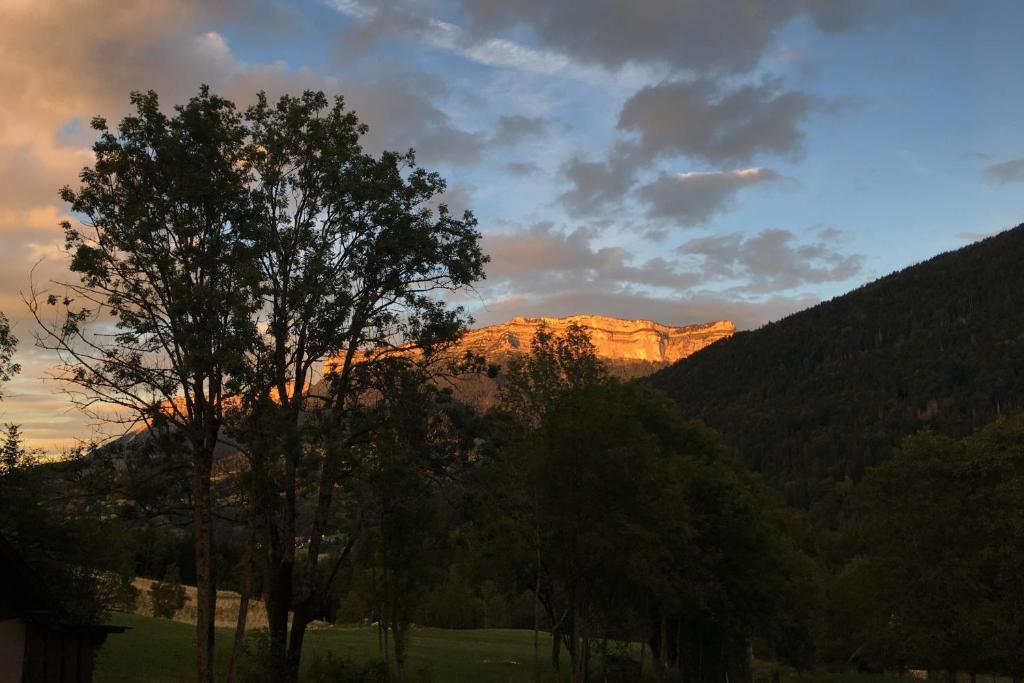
column 817, row 397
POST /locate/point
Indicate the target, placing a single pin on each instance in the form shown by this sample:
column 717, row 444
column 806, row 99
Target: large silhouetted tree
column 164, row 306
column 223, row 258
column 354, row 257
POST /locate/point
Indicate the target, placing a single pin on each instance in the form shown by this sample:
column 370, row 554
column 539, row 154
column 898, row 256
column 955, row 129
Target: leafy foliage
column 168, row 595
column 636, row 524
column 82, row 558
column 935, row 583
column 8, row 343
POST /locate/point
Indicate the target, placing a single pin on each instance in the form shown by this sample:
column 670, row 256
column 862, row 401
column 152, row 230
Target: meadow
column 163, row 651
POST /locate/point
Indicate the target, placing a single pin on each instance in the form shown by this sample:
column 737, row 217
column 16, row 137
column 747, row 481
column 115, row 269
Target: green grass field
column 161, row 651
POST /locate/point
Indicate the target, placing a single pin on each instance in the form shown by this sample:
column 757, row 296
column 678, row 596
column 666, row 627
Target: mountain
column 632, row 348
column 617, row 340
column 817, row 397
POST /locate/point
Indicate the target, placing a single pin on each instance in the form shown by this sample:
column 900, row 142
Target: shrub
column 168, row 596
column 352, row 609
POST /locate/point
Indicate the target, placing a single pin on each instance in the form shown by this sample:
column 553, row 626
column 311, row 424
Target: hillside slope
column 822, row 394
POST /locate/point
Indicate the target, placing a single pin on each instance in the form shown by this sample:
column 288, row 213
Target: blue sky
column 678, row 160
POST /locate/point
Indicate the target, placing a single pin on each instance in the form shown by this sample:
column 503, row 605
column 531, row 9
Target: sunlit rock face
column 613, row 339
column 630, row 348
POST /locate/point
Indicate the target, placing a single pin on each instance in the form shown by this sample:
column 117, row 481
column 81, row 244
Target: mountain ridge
column 815, row 398
column 613, row 338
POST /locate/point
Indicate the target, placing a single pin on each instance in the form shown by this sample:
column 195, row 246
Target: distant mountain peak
column 613, row 338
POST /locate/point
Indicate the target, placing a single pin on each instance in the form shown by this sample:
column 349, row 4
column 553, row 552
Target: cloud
column 696, row 35
column 1005, row 172
column 770, row 261
column 700, row 120
column 542, row 260
column 376, row 20
column 689, row 199
column 597, row 184
column 516, row 128
column 523, row 168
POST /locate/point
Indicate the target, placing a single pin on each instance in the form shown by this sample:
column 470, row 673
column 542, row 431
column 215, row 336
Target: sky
column 676, row 160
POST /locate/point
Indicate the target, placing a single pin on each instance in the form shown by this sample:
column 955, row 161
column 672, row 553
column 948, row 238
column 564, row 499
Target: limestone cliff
column 614, row 339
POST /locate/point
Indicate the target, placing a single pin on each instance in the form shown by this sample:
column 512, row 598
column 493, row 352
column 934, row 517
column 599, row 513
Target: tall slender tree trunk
column 576, row 651
column 245, row 591
column 556, row 650
column 277, row 596
column 300, row 620
column 206, row 589
column 663, row 654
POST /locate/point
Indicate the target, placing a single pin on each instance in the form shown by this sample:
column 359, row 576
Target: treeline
column 813, row 400
column 579, row 505
column 937, row 552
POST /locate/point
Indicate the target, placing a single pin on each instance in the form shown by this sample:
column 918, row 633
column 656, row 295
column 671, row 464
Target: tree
column 927, row 542
column 168, row 595
column 8, row 343
column 163, row 308
column 638, row 524
column 353, row 265
column 235, row 254
column 403, row 537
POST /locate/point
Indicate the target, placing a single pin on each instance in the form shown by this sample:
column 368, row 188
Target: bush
column 168, row 596
column 118, row 592
column 352, row 609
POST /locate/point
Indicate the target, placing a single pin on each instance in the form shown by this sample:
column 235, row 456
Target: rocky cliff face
column 614, row 339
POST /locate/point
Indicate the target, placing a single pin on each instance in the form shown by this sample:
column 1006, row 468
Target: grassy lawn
column 161, row 651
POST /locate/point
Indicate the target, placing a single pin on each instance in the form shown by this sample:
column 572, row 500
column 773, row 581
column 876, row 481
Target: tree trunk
column 556, row 650
column 206, row 589
column 387, row 647
column 277, row 596
column 663, row 654
column 300, row 620
column 577, row 656
column 398, row 635
column 243, row 603
column 536, row 621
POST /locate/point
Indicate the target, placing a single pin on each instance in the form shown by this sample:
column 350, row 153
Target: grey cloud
column 523, row 168
column 693, row 119
column 1005, row 172
column 596, row 184
column 543, row 259
column 689, row 199
column 772, row 260
column 698, row 35
column 698, row 120
column 516, row 128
